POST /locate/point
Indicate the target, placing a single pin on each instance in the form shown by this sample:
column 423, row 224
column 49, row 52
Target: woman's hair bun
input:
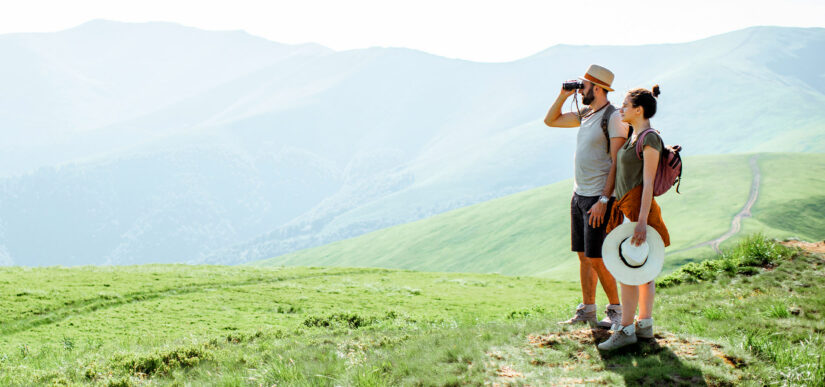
column 656, row 91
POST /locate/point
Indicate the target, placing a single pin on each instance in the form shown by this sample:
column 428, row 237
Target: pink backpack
column 669, row 172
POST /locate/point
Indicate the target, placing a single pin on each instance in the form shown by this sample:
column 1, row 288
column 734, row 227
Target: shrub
column 68, row 343
column 289, row 309
column 778, row 311
column 122, row 382
column 351, row 320
column 714, row 313
column 164, row 362
column 747, row 258
column 523, row 313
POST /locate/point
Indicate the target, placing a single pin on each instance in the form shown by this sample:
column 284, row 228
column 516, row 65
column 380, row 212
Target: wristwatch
column 604, row 199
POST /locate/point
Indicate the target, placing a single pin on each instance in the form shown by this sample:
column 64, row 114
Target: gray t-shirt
column 592, row 162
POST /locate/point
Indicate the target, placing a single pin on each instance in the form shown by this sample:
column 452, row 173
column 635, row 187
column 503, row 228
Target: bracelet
column 604, row 199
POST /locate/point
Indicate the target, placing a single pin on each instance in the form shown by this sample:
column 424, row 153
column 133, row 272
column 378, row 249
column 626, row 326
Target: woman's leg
column 630, row 299
column 646, row 295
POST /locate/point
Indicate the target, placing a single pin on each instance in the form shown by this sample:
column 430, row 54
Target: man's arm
column 616, row 143
column 618, row 132
column 554, row 116
column 618, row 135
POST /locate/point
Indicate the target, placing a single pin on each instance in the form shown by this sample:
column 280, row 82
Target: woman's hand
column 639, row 234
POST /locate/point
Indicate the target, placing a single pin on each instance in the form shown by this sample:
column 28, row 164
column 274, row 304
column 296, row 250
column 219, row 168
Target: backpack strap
column 640, row 140
column 608, row 111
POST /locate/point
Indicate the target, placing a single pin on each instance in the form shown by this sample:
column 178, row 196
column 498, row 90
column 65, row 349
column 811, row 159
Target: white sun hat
column 633, row 265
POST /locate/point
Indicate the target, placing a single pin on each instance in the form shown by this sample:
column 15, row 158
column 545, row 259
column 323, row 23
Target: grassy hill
column 234, row 326
column 528, row 233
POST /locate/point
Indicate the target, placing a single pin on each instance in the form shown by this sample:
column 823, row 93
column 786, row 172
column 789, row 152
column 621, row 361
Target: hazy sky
column 471, row 29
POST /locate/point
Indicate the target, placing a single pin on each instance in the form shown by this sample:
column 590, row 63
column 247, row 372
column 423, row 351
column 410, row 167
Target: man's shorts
column 585, row 238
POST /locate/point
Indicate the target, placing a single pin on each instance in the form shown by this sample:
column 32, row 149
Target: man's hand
column 566, row 93
column 555, row 118
column 596, row 214
column 639, row 234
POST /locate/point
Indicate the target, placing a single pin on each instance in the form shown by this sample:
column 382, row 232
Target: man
column 595, row 174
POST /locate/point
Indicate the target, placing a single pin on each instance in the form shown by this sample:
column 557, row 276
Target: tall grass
column 800, row 364
column 753, row 254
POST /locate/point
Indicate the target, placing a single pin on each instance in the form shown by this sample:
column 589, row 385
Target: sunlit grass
column 370, row 327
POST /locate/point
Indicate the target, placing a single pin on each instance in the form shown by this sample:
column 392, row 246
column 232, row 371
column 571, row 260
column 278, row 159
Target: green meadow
column 105, row 324
column 750, row 316
column 528, row 233
column 753, row 318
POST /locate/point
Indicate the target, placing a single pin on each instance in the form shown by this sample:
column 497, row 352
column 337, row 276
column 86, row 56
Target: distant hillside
column 528, row 233
column 155, row 142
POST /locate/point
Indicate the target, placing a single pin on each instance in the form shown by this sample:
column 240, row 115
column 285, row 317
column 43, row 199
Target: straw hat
column 633, row 265
column 600, row 76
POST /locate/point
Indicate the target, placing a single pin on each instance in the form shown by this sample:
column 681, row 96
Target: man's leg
column 586, row 311
column 589, row 278
column 593, row 248
column 607, row 280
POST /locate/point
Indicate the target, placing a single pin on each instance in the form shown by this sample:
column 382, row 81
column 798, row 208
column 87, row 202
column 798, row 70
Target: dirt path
column 736, row 223
column 814, row 247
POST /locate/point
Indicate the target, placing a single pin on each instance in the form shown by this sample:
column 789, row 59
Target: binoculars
column 572, row 85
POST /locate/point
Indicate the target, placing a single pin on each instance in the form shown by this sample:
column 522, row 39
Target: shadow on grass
column 654, row 362
column 648, row 363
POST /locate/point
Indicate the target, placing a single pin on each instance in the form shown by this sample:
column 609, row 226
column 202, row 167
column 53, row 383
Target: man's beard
column 588, row 98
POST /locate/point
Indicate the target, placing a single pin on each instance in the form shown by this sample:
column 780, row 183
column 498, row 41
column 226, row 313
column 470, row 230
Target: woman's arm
column 651, row 163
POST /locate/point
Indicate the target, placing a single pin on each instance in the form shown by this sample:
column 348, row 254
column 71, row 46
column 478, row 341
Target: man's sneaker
column 621, row 336
column 584, row 313
column 644, row 328
column 613, row 316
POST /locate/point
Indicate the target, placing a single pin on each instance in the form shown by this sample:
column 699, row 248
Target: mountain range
column 154, row 142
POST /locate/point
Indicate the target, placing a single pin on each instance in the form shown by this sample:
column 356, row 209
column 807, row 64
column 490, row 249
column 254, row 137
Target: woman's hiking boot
column 622, row 335
column 613, row 316
column 644, row 328
column 584, row 313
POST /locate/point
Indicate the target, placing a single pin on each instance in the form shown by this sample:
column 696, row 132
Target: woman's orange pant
column 629, row 206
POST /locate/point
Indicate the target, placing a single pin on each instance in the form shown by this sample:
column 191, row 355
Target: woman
column 634, row 195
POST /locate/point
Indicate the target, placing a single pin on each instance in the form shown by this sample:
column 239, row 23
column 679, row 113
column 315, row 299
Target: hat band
column 595, row 80
column 622, row 256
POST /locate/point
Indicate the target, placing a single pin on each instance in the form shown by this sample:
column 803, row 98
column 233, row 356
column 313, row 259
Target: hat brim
column 602, row 85
column 630, row 275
